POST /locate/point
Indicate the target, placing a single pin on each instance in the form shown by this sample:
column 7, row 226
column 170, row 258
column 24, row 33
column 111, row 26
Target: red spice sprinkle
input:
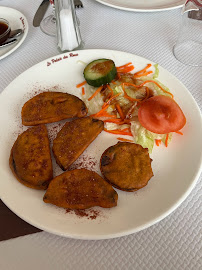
column 89, row 213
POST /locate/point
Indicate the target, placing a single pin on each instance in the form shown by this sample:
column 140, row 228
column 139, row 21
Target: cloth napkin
column 11, row 225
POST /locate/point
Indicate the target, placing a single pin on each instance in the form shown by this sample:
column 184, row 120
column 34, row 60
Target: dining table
column 173, row 243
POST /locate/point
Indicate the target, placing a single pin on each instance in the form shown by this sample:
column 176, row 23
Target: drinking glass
column 188, row 47
column 68, row 32
column 48, row 25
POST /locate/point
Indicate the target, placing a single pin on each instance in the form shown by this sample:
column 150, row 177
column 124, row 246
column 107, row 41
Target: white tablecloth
column 175, row 242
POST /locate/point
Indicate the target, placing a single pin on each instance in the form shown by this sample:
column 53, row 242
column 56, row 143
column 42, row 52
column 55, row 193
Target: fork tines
column 78, row 4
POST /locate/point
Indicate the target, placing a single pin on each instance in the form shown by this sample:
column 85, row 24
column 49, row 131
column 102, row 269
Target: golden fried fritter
column 30, row 158
column 126, row 166
column 74, row 138
column 80, row 189
column 49, row 107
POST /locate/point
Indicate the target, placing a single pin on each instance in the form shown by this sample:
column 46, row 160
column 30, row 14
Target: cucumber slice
column 99, row 72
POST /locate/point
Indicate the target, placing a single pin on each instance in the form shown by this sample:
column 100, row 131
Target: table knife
column 40, row 13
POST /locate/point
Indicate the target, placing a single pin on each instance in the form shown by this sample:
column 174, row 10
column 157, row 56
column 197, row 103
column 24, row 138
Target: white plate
column 176, row 168
column 16, row 20
column 143, row 5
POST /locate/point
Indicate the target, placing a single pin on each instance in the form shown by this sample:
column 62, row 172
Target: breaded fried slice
column 30, row 158
column 126, row 166
column 49, row 107
column 74, row 138
column 80, row 189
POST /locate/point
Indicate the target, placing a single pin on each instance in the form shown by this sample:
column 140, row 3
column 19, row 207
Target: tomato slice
column 161, row 114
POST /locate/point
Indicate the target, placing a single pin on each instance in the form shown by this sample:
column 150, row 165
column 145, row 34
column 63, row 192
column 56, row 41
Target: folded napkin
column 12, row 226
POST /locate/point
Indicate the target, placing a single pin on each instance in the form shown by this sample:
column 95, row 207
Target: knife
column 40, row 13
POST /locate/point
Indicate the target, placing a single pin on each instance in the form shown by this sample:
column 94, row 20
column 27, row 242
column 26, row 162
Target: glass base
column 48, row 25
column 189, row 53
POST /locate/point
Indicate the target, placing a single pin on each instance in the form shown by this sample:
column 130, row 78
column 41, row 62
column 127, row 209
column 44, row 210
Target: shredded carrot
column 80, row 84
column 126, row 129
column 140, row 85
column 110, row 100
column 166, row 141
column 124, row 140
column 126, row 95
column 142, row 74
column 126, row 69
column 118, row 132
column 130, row 63
column 110, row 89
column 179, row 132
column 95, row 93
column 143, row 70
column 103, row 114
column 83, row 91
column 113, row 82
column 118, row 107
column 157, row 85
column 101, row 111
column 158, row 142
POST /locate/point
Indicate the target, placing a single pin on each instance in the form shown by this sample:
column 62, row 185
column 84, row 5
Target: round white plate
column 16, row 20
column 143, row 5
column 176, row 168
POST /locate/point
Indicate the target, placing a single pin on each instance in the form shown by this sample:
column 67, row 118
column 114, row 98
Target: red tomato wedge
column 161, row 114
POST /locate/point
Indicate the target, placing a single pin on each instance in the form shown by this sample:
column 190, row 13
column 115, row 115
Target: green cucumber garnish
column 99, row 72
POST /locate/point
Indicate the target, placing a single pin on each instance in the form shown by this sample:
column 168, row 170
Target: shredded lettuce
column 95, row 104
column 156, row 73
column 146, row 138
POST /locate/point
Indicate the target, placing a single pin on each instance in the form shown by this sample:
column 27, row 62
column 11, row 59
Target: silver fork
column 78, row 4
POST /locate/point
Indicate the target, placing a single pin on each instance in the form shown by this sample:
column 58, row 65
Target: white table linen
column 175, row 242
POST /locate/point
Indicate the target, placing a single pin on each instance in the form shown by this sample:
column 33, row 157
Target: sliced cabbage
column 156, row 73
column 146, row 138
column 95, row 104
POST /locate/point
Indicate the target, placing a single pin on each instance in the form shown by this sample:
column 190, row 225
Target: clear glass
column 48, row 25
column 67, row 26
column 188, row 47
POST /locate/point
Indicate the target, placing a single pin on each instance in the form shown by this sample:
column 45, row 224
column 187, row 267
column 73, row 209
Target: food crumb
column 89, row 213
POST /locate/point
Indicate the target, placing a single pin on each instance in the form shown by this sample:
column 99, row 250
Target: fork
column 78, row 4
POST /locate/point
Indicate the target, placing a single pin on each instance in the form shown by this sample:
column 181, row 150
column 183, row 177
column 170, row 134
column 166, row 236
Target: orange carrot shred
column 166, row 141
column 109, row 100
column 179, row 132
column 83, row 91
column 80, row 84
column 130, row 63
column 140, row 85
column 157, row 85
column 126, row 69
column 95, row 93
column 110, row 89
column 118, row 107
column 142, row 74
column 102, row 110
column 126, row 95
column 124, row 140
column 158, row 142
column 118, row 132
column 143, row 70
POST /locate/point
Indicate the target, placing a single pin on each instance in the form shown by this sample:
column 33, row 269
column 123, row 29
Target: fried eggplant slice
column 74, row 138
column 80, row 189
column 49, row 107
column 126, row 166
column 30, row 158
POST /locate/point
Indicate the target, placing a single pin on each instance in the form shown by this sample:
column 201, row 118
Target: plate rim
column 107, row 3
column 18, row 44
column 123, row 232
